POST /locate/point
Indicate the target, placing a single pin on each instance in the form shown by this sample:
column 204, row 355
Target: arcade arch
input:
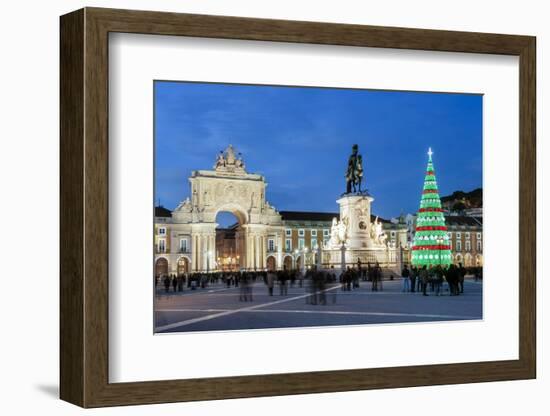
column 182, row 265
column 161, row 267
column 287, row 263
column 271, row 263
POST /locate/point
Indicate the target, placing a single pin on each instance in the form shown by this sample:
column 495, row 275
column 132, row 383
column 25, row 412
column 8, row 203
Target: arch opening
column 161, row 267
column 287, row 263
column 229, row 242
column 182, row 265
column 271, row 263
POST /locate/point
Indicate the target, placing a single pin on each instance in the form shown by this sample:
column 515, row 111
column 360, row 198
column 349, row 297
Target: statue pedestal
column 355, row 214
column 355, row 238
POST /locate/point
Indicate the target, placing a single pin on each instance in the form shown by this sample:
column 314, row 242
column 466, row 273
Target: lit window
column 271, row 244
column 162, row 246
column 467, row 236
column 314, row 233
column 288, row 232
column 183, row 245
column 314, row 243
column 479, row 236
column 459, row 245
column 458, row 236
column 288, row 244
column 301, row 232
column 467, row 245
column 325, row 233
column 301, row 243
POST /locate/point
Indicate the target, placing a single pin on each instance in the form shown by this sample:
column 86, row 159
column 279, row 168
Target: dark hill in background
column 460, row 200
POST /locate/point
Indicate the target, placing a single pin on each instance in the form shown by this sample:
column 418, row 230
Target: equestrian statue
column 354, row 173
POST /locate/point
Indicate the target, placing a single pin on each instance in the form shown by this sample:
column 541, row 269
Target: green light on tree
column 431, row 242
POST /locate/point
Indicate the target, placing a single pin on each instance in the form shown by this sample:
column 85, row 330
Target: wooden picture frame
column 84, row 207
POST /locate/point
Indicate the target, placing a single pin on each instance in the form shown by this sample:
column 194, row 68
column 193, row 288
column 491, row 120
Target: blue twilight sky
column 300, row 140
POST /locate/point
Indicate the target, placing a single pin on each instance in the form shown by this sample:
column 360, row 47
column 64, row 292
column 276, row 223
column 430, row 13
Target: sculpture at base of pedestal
column 354, row 228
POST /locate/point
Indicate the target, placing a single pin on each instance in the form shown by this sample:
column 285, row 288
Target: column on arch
column 264, row 251
column 214, row 255
column 253, row 251
column 249, row 250
column 194, row 251
column 258, row 247
column 199, row 252
column 207, row 260
column 279, row 242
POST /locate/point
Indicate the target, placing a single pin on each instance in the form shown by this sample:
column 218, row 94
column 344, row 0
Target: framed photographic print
column 255, row 207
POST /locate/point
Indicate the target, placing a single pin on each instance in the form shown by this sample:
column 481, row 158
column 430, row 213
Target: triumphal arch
column 228, row 187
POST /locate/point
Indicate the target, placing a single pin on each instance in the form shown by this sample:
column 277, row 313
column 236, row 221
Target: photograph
column 296, row 206
column 275, row 207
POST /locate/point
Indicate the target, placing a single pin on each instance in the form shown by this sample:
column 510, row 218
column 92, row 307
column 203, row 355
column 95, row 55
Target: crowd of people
column 316, row 282
column 419, row 279
column 245, row 280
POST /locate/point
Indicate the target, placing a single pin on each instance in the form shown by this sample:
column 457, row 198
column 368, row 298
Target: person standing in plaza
column 245, row 292
column 270, row 282
column 349, row 278
column 413, row 276
column 405, row 276
column 250, row 278
column 438, row 279
column 378, row 273
column 166, row 283
column 369, row 272
column 291, row 276
column 355, row 277
column 283, row 287
column 300, row 277
column 424, row 276
column 311, row 280
column 242, row 291
column 461, row 274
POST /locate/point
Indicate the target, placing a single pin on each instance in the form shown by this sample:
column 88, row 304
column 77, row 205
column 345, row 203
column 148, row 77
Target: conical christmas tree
column 431, row 242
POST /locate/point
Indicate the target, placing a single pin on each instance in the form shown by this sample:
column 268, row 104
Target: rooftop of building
column 308, row 216
column 458, row 220
column 160, row 211
column 311, row 216
column 317, row 216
